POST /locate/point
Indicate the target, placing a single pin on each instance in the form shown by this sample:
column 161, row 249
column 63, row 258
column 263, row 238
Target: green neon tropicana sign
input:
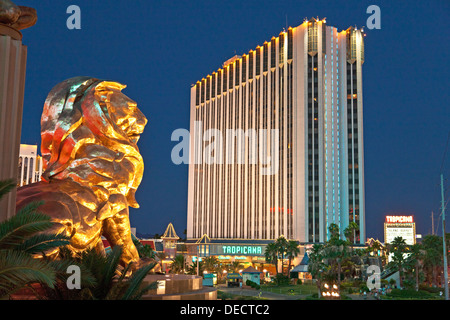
column 250, row 250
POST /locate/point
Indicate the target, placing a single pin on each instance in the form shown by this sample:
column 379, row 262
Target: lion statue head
column 89, row 131
column 92, row 165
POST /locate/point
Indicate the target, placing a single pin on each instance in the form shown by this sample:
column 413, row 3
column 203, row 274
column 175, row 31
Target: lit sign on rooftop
column 399, row 219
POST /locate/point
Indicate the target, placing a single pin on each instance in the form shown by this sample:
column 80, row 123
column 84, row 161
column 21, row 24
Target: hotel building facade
column 303, row 87
column 30, row 165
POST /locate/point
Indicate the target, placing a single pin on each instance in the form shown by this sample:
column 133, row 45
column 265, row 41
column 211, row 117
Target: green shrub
column 410, row 294
column 224, row 295
column 430, row 289
column 252, row 284
column 363, row 288
column 281, row 279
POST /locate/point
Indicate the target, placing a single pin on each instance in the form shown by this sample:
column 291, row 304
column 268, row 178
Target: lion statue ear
column 104, row 88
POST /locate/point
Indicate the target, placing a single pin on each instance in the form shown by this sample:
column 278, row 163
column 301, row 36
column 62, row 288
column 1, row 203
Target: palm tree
column 145, row 251
column 22, row 238
column 281, row 245
column 334, row 232
column 192, row 269
column 271, row 255
column 292, row 251
column 316, row 266
column 178, row 264
column 398, row 249
column 235, row 266
column 432, row 245
column 111, row 280
column 350, row 232
column 336, row 251
column 160, row 256
column 415, row 258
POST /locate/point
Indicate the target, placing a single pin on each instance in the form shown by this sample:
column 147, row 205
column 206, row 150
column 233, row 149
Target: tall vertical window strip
column 219, row 82
column 225, row 74
column 244, row 68
column 197, row 93
column 250, row 65
column 208, row 87
column 203, row 91
column 290, row 204
column 266, row 56
column 231, row 76
column 281, row 48
column 273, row 52
column 213, row 85
column 236, row 77
column 290, row 43
column 258, row 61
column 312, row 37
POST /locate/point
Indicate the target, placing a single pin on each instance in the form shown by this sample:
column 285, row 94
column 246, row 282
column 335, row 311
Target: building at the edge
column 304, row 89
column 30, row 165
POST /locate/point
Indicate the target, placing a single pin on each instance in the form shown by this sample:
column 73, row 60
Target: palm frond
column 24, row 224
column 19, row 268
column 140, row 293
column 6, row 186
column 104, row 269
column 43, row 242
column 135, row 281
column 125, row 271
column 87, row 279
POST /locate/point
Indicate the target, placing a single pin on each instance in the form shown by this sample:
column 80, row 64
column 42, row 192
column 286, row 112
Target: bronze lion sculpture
column 92, row 165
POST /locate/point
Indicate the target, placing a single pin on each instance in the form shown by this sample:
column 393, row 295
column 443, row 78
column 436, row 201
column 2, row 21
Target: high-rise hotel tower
column 306, row 84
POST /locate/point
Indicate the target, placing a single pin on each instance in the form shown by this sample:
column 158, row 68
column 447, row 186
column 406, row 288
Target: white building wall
column 223, row 204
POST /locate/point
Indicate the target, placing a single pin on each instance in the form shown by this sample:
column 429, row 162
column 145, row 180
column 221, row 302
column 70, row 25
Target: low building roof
column 250, row 270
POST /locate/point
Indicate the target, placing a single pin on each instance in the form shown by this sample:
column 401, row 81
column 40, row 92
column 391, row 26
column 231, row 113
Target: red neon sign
column 399, row 219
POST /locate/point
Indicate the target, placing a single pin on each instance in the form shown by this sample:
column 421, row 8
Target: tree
column 316, row 266
column 211, row 264
column 350, row 232
column 160, row 256
column 192, row 269
column 414, row 261
column 432, row 245
column 178, row 264
column 112, row 282
column 235, row 266
column 292, row 251
column 398, row 249
column 336, row 251
column 281, row 244
column 271, row 255
column 145, row 251
column 22, row 238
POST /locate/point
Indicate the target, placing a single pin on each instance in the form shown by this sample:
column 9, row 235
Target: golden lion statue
column 92, row 165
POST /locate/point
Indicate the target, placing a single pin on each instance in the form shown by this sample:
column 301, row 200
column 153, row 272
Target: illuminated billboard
column 400, row 226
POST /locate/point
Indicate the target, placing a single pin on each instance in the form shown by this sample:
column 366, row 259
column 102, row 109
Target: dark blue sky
column 160, row 48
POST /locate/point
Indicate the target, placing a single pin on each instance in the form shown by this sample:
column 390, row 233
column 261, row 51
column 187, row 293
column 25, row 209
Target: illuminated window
column 258, row 61
column 250, row 65
column 290, row 43
column 266, row 56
